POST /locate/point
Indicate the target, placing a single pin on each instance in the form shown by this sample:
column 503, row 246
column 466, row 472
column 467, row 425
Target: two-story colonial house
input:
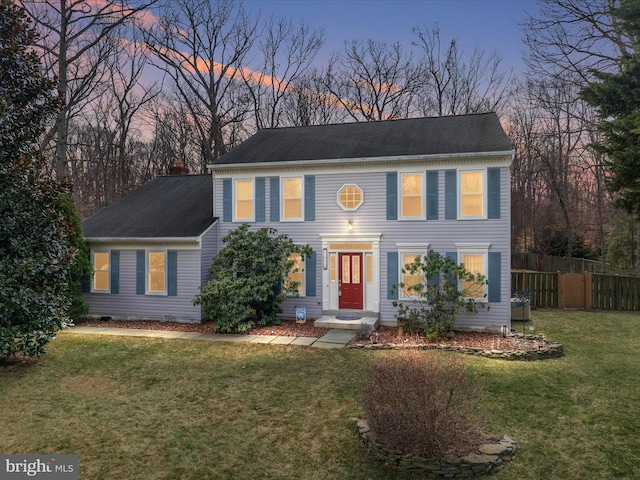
column 367, row 197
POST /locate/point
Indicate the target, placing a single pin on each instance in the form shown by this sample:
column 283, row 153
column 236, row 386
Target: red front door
column 350, row 280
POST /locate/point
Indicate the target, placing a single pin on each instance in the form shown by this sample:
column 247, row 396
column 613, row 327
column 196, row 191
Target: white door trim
column 371, row 295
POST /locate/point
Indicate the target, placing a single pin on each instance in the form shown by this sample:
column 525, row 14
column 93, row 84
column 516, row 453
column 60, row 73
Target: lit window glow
column 292, row 198
column 471, row 194
column 350, row 197
column 411, row 195
column 101, row 271
column 157, row 277
column 244, row 200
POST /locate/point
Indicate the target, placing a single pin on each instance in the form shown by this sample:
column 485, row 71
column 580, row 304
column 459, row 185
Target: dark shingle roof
column 461, row 134
column 165, row 207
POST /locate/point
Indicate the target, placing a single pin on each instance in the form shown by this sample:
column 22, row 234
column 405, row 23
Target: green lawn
column 135, row 408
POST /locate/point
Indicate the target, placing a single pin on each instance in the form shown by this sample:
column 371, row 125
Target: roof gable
column 166, row 207
column 463, row 134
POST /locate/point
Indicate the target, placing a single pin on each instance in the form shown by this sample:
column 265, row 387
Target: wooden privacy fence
column 581, row 291
column 542, row 285
column 615, row 292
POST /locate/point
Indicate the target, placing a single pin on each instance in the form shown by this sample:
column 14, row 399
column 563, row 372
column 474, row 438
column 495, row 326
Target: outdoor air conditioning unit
column 520, row 312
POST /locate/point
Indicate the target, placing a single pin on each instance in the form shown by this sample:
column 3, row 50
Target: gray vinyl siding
column 209, row 249
column 127, row 304
column 371, row 218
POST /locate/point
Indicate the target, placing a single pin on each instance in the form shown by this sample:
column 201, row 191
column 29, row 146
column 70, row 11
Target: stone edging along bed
column 490, row 458
column 550, row 349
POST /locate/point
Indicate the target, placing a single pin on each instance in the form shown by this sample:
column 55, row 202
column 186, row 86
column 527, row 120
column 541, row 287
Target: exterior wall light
column 350, row 225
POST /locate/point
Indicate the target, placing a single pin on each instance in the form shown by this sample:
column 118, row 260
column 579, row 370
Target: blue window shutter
column 227, row 200
column 260, row 202
column 310, row 275
column 274, row 199
column 85, row 282
column 454, row 256
column 140, row 272
column 450, row 195
column 494, row 276
column 172, row 273
column 309, row 198
column 392, row 195
column 432, row 195
column 493, row 192
column 392, row 275
column 114, row 271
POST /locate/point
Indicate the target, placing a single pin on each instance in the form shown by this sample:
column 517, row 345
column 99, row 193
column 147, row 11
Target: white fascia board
column 215, row 222
column 364, row 160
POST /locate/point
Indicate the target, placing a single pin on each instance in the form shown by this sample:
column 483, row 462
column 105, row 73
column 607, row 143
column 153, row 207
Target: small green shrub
column 423, row 404
column 435, row 296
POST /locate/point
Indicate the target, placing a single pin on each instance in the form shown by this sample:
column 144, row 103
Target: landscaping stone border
column 549, row 350
column 490, row 458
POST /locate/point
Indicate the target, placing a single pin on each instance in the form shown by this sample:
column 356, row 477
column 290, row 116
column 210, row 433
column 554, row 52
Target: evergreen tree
column 35, row 247
column 617, row 98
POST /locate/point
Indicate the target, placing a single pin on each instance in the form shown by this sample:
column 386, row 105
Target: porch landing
column 347, row 319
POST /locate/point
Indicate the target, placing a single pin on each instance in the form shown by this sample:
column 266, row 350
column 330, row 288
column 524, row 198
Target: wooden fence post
column 588, row 291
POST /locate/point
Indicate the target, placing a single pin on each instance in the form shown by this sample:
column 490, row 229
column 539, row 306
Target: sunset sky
column 491, row 24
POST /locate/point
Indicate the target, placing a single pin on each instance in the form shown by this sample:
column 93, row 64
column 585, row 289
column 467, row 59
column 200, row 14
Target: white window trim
column 409, row 248
column 477, row 249
column 361, row 197
column 253, row 199
column 282, row 217
column 485, row 200
column 93, row 279
column 424, row 193
column 146, row 273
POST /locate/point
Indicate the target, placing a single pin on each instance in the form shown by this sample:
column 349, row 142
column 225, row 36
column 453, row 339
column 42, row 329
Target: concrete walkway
column 333, row 339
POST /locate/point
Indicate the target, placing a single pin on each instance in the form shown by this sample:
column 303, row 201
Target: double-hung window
column 292, row 195
column 412, row 196
column 101, row 273
column 156, row 272
column 407, row 254
column 296, row 273
column 474, row 257
column 472, row 194
column 243, row 200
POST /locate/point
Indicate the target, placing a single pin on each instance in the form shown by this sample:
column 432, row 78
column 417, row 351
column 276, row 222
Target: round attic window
column 350, row 197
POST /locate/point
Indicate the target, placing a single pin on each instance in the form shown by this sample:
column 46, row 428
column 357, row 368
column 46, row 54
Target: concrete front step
column 347, row 320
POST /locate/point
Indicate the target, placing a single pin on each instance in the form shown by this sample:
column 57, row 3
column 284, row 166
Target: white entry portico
column 337, row 246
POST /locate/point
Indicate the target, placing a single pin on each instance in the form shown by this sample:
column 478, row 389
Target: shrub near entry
column 250, row 279
column 439, row 289
column 422, row 404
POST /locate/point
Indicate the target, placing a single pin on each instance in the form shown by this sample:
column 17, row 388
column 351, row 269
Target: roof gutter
column 362, row 160
column 140, row 240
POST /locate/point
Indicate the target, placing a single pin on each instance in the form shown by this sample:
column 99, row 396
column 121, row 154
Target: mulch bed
column 292, row 329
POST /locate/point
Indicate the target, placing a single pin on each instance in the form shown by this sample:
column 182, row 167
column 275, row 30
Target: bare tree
column 567, row 41
column 74, row 46
column 373, row 80
column 309, row 102
column 574, row 37
column 287, row 52
column 528, row 189
column 175, row 137
column 455, row 83
column 202, row 46
column 129, row 96
column 551, row 170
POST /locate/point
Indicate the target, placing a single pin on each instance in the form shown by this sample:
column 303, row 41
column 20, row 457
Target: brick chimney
column 178, row 169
